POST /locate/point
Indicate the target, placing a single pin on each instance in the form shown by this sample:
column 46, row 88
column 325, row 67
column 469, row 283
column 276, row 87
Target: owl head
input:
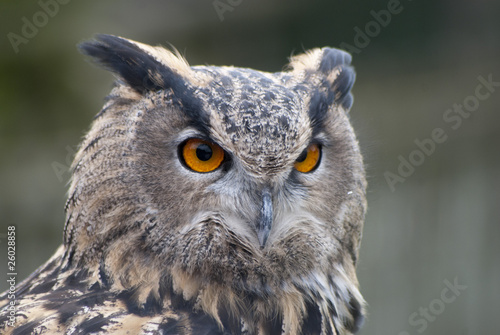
column 228, row 191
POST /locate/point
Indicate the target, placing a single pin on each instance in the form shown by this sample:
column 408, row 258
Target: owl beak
column 265, row 221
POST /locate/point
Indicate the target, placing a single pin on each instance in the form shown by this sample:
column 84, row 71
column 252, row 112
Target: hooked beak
column 265, row 221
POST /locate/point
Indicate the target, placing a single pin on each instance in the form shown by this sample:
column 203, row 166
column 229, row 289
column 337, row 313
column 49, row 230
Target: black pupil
column 302, row 156
column 204, row 152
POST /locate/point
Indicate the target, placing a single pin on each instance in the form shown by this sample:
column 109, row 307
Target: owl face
column 229, row 186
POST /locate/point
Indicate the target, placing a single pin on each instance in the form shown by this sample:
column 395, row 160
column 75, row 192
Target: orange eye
column 202, row 156
column 308, row 159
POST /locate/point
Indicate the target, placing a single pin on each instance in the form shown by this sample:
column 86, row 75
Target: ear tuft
column 145, row 68
column 334, row 66
column 137, row 64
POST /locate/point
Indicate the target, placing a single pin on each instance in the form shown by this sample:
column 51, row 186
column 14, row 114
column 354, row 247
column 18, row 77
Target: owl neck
column 314, row 304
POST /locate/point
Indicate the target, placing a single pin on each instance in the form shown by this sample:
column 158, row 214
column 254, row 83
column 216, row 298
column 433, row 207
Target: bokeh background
column 438, row 227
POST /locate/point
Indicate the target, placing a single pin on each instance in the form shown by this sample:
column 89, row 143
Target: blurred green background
column 439, row 227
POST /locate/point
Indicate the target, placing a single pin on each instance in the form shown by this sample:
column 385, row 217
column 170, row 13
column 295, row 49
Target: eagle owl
column 208, row 200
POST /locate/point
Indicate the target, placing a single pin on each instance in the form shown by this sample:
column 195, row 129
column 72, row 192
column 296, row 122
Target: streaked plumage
column 252, row 247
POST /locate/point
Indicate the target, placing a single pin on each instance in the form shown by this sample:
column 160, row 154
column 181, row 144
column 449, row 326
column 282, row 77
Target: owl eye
column 202, row 156
column 308, row 159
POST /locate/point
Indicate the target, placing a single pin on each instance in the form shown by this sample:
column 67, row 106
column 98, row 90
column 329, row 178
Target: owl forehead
column 258, row 115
